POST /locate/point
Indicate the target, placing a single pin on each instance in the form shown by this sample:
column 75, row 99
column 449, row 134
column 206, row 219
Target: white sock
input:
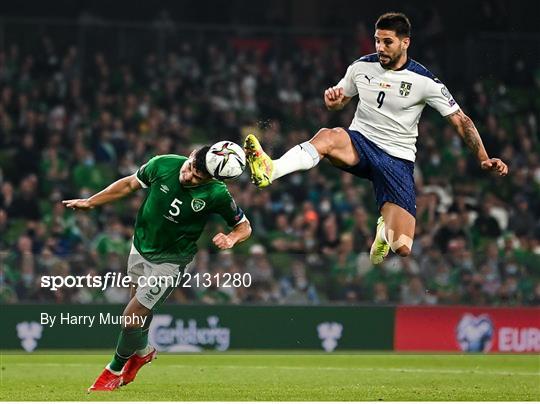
column 383, row 233
column 301, row 157
column 145, row 351
column 114, row 372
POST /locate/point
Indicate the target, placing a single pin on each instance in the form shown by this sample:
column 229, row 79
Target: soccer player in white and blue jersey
column 380, row 143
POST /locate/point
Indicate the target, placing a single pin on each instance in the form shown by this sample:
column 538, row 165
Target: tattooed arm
column 466, row 129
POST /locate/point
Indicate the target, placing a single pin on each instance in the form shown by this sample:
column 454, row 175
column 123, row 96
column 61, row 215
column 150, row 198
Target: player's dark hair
column 397, row 22
column 199, row 161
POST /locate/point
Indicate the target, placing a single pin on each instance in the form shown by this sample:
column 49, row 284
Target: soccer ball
column 225, row 160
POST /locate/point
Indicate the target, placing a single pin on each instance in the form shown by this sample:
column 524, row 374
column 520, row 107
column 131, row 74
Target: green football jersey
column 172, row 216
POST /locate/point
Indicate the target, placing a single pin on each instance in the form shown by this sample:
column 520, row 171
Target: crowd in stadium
column 67, row 130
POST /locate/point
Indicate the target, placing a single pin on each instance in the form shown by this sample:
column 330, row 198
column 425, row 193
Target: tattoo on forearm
column 465, row 126
column 470, row 134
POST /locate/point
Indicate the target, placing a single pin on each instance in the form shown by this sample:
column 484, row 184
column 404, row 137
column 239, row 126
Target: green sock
column 144, row 332
column 129, row 341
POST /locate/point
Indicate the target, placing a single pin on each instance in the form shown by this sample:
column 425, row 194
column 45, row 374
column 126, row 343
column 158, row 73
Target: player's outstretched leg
column 332, row 143
column 395, row 231
column 264, row 170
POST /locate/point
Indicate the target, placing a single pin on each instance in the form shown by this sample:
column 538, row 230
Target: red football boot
column 106, row 381
column 133, row 365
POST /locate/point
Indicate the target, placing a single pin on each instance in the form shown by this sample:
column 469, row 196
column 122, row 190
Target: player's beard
column 392, row 61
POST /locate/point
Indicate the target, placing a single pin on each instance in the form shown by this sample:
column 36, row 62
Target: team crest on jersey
column 405, row 89
column 445, row 92
column 197, row 205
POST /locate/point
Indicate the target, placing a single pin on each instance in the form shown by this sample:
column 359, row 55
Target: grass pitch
column 253, row 376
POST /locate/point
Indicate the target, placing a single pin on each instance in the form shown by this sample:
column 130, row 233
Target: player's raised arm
column 335, row 99
column 113, row 192
column 467, row 130
column 227, row 208
column 239, row 233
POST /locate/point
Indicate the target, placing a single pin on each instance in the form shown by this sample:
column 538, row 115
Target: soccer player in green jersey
column 181, row 196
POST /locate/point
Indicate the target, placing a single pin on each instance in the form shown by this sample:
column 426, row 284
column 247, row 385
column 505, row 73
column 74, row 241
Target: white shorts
column 155, row 282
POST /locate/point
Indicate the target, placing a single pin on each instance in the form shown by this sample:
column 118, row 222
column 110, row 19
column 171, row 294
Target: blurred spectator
column 485, row 224
column 441, row 286
column 451, row 230
column 380, row 293
column 26, row 203
column 296, row 288
column 362, row 233
column 535, row 298
column 27, row 157
column 259, row 266
column 521, row 217
column 413, row 292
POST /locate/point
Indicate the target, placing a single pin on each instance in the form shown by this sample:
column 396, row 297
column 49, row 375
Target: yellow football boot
column 379, row 248
column 260, row 164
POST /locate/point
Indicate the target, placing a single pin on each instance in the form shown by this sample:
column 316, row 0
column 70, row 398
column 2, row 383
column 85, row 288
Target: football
column 225, row 160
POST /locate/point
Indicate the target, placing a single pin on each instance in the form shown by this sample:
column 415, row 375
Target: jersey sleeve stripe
column 140, row 181
column 371, row 58
column 244, row 218
column 417, row 68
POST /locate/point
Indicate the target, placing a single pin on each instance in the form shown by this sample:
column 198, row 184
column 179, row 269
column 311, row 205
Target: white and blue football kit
column 385, row 125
